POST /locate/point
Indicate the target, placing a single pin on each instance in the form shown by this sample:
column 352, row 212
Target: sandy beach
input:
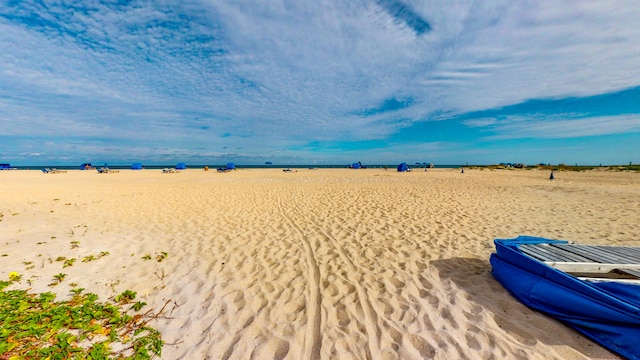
column 314, row 264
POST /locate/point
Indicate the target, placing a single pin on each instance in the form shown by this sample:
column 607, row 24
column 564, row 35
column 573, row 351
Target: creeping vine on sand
column 35, row 326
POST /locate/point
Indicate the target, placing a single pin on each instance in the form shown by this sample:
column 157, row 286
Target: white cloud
column 547, row 49
column 517, row 127
column 480, row 122
column 278, row 73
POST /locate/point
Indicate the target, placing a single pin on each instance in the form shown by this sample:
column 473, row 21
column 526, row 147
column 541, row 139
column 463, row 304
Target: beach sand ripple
column 323, row 264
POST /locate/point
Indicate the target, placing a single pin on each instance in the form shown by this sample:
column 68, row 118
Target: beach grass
column 560, row 167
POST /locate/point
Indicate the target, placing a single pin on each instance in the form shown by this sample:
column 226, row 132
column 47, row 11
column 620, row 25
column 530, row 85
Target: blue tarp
column 181, row 166
column 136, row 166
column 606, row 312
column 403, row 167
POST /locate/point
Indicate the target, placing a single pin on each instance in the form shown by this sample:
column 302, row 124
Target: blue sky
column 319, row 82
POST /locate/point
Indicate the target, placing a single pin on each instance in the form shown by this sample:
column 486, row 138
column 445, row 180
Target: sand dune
column 323, row 264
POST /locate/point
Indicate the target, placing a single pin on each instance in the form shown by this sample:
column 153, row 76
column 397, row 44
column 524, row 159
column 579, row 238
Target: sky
column 319, row 82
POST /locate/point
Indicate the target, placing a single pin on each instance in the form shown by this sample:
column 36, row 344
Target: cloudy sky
column 319, row 82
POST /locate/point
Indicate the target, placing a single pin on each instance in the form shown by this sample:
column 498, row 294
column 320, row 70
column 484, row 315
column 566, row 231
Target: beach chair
column 230, row 166
column 52, row 171
column 106, row 170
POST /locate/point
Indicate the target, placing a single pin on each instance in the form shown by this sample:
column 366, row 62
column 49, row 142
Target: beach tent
column 355, row 165
column 181, row 166
column 86, row 166
column 403, row 167
column 5, row 166
column 136, row 166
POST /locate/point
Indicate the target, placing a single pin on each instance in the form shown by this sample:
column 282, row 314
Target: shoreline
column 214, row 168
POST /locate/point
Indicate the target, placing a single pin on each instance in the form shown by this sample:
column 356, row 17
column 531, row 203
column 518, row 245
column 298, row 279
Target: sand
column 314, row 264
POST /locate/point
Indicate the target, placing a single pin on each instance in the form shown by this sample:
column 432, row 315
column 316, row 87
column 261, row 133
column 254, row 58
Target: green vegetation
column 59, row 277
column 14, row 276
column 560, row 167
column 628, row 168
column 163, row 255
column 68, row 262
column 159, row 256
column 35, row 326
column 563, row 167
column 125, row 297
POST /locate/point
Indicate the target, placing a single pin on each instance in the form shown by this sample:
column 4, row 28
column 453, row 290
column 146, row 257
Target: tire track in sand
column 363, row 298
column 312, row 348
